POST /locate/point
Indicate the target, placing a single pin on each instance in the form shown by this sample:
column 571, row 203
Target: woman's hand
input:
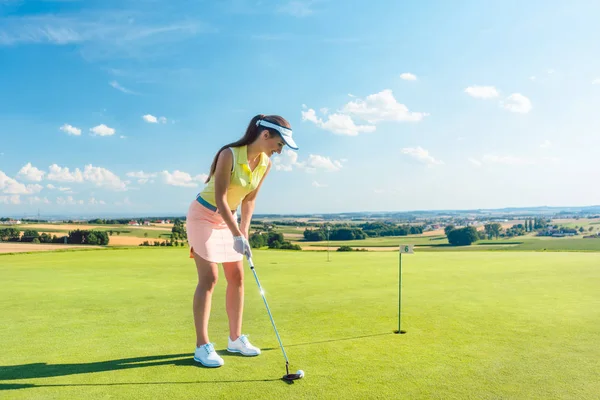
column 242, row 246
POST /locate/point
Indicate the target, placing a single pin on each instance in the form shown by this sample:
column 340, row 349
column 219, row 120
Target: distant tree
column 493, row 230
column 179, row 229
column 448, row 228
column 314, row 235
column 344, row 248
column 88, row 237
column 540, row 223
column 463, row 236
column 30, row 235
column 258, row 240
column 10, row 235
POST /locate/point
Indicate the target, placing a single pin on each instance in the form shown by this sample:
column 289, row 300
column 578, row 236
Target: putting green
column 484, row 325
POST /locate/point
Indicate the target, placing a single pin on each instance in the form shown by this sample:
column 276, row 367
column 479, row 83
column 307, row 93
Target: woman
column 236, row 175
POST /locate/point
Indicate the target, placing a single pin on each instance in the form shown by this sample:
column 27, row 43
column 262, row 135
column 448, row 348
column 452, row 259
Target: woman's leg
column 207, row 279
column 234, row 273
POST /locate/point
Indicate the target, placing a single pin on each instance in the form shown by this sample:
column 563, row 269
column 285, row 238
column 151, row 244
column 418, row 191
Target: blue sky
column 119, row 106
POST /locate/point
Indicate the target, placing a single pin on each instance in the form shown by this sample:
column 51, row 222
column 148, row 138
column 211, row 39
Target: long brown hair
column 250, row 136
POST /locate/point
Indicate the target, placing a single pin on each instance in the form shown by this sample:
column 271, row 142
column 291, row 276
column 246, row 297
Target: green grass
column 440, row 243
column 480, row 325
column 386, row 241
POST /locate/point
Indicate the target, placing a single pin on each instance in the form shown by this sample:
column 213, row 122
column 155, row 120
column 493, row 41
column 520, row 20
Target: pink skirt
column 209, row 236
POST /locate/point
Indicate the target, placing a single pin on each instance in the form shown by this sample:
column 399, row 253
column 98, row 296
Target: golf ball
column 301, row 373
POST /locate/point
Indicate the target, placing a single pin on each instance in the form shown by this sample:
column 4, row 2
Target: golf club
column 287, row 377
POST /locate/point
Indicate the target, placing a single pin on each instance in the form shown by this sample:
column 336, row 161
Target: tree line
column 360, row 231
column 272, row 240
column 90, row 237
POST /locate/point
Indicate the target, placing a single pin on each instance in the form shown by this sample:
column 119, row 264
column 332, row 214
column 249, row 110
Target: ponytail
column 252, row 132
column 250, row 136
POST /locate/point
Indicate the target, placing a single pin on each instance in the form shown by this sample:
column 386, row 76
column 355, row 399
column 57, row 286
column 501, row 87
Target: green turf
column 386, row 241
column 440, row 243
column 480, row 325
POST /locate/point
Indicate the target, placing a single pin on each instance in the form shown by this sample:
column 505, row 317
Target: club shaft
column 268, row 310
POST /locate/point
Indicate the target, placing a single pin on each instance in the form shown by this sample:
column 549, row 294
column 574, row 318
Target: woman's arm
column 222, row 178
column 248, row 205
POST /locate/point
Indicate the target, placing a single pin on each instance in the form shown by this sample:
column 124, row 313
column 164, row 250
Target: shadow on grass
column 328, row 341
column 43, row 370
column 14, row 386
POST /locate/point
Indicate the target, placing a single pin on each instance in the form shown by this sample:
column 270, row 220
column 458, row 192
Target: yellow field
column 72, row 227
column 8, row 247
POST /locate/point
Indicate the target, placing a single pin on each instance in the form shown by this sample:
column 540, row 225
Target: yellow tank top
column 242, row 180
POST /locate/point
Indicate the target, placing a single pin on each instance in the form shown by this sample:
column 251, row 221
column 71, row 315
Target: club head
column 292, row 377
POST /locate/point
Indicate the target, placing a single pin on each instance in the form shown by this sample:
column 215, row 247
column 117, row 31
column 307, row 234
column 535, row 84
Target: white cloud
column 518, row 103
column 596, row 81
column 318, row 185
column 71, row 130
column 546, row 144
column 59, row 174
column 35, row 188
column 407, row 76
column 103, row 177
column 93, row 201
column 200, row 178
column 31, row 173
column 421, row 155
column 9, row 185
column 286, row 160
column 315, row 162
column 179, row 178
column 116, row 85
column 99, row 176
column 337, row 123
column 482, row 92
column 153, row 120
column 15, row 199
column 100, row 34
column 69, row 200
column 64, row 189
column 142, row 177
column 382, row 106
column 374, row 108
column 37, row 200
column 50, row 186
column 102, row 130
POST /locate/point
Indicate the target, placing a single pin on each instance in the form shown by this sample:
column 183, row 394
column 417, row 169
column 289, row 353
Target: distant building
column 11, row 222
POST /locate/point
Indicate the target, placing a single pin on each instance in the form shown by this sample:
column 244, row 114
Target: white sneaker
column 242, row 345
column 207, row 356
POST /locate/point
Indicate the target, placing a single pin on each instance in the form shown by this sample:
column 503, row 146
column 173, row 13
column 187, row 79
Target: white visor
column 286, row 134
